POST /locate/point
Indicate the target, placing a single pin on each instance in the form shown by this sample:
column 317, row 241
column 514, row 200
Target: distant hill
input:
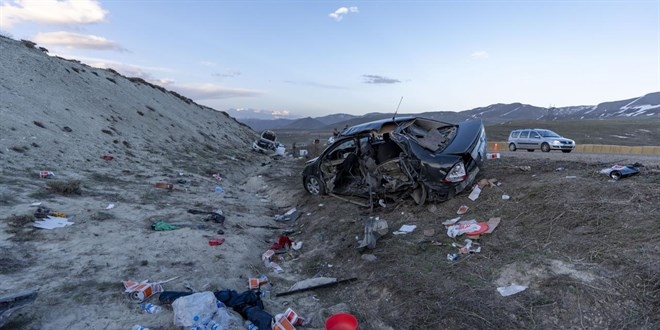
column 647, row 106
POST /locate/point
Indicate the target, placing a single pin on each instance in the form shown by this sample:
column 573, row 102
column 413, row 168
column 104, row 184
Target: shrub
column 65, row 187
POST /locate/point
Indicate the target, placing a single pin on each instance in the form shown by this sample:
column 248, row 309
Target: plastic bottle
column 151, row 308
column 139, row 327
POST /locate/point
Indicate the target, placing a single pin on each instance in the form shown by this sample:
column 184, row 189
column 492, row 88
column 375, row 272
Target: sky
column 297, row 58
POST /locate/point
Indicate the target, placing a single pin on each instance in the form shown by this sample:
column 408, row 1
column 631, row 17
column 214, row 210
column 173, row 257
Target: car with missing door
column 388, row 159
column 531, row 139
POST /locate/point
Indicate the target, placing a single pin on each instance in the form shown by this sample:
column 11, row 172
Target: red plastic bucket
column 341, row 321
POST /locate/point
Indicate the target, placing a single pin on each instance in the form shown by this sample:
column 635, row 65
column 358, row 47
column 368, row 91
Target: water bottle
column 139, row 327
column 151, row 308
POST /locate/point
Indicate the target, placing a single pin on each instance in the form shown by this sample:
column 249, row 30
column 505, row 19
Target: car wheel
column 565, row 151
column 616, row 175
column 512, row 147
column 545, row 147
column 314, row 185
column 530, row 150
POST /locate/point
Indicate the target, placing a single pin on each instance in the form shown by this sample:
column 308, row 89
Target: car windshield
column 547, row 133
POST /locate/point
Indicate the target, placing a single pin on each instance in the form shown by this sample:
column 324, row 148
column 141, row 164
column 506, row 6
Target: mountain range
column 647, row 106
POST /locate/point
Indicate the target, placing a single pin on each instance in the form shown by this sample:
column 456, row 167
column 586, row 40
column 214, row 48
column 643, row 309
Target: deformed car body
column 266, row 143
column 399, row 157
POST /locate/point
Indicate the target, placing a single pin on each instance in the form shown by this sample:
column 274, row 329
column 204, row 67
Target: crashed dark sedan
column 391, row 159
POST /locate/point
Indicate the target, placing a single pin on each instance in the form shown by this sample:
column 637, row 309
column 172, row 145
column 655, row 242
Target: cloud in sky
column 375, row 79
column 77, row 40
column 338, row 14
column 280, row 113
column 479, row 55
column 228, row 73
column 212, row 92
column 61, row 12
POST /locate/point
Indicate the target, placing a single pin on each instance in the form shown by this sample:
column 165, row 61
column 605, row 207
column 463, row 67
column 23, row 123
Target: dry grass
column 72, row 187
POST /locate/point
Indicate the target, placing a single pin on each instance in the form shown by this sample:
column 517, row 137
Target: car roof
column 375, row 125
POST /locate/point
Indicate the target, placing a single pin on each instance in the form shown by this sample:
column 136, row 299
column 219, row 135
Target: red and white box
column 283, row 324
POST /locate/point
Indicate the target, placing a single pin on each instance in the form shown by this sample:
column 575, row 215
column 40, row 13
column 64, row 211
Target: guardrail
column 594, row 148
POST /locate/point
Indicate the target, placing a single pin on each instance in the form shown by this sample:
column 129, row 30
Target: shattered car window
column 431, row 135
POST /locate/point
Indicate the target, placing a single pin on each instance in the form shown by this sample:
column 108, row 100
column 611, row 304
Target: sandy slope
column 63, row 116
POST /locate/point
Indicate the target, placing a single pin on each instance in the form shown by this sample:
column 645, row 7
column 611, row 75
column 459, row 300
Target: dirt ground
column 585, row 246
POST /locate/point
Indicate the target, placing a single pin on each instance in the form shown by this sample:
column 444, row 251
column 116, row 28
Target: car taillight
column 457, row 173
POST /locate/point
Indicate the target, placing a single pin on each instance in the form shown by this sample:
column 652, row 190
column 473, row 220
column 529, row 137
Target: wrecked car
column 399, row 157
column 267, row 143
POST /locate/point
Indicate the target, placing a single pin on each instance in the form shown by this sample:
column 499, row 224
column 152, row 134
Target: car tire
column 314, row 185
column 566, row 151
column 530, row 150
column 512, row 147
column 545, row 147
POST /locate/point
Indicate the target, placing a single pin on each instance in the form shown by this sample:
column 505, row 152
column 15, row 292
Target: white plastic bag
column 197, row 308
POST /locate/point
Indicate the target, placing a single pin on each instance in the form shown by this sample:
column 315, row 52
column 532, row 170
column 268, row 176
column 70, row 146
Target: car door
column 523, row 140
column 534, row 140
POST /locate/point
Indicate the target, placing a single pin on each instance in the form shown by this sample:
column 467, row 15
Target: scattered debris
column 369, row 257
column 219, row 189
column 292, row 214
column 467, row 228
column 51, row 222
column 46, row 174
column 506, row 197
column 110, row 206
column 462, row 209
column 163, row 226
column 451, row 221
column 164, row 185
column 216, row 241
column 374, row 228
column 617, row 172
column 138, row 292
column 525, row 168
column 107, row 157
column 475, row 193
column 314, row 283
column 492, row 224
column 512, row 289
column 405, row 229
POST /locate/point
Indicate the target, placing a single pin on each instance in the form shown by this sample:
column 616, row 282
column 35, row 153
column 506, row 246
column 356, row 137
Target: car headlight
column 457, row 173
column 555, row 142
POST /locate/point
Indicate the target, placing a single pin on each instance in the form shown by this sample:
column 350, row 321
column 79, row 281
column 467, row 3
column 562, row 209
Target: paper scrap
column 52, row 223
column 35, row 204
column 405, row 229
column 492, row 223
column 511, row 289
column 475, row 193
column 451, row 221
column 110, row 206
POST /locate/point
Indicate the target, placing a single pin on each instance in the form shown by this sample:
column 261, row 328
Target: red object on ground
column 107, row 157
column 483, row 227
column 284, row 242
column 216, row 241
column 341, row 321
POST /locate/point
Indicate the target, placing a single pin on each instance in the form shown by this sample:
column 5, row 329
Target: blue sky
column 315, row 57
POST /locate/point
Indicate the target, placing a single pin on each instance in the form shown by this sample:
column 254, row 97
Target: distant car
column 396, row 158
column 267, row 143
column 539, row 139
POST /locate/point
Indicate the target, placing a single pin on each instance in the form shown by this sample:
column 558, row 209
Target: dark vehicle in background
column 395, row 158
column 267, row 143
column 538, row 138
